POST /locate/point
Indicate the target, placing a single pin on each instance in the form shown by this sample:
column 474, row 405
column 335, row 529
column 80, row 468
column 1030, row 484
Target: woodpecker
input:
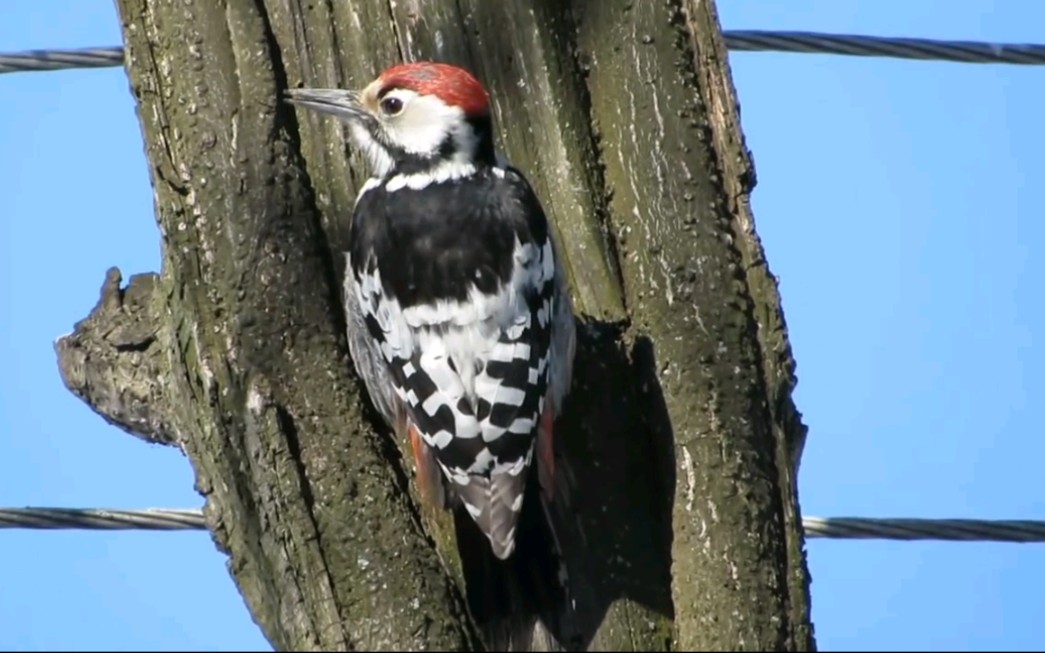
column 460, row 321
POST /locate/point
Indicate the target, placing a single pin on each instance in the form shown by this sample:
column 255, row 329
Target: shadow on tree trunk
column 616, row 460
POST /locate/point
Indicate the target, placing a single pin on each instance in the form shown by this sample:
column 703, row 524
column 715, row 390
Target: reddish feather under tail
column 429, row 476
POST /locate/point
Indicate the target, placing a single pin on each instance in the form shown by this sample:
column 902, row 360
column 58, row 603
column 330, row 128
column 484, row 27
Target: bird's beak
column 336, row 102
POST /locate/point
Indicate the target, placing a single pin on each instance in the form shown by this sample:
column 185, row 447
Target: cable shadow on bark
column 616, row 458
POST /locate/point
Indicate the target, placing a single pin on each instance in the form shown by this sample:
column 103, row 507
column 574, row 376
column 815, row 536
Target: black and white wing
column 461, row 297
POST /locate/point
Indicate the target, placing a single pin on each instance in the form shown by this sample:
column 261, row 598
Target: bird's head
column 412, row 117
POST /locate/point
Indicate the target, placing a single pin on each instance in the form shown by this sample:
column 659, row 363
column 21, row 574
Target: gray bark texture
column 680, row 442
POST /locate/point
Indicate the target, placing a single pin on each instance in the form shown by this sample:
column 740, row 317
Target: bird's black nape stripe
column 482, row 127
column 407, row 163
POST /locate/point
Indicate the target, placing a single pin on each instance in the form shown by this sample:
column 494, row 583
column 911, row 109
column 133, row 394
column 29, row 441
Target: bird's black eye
column 391, row 105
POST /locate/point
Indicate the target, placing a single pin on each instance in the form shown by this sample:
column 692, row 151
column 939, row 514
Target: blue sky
column 896, row 202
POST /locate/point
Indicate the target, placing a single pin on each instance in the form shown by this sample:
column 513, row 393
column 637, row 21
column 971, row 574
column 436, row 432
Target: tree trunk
column 680, row 442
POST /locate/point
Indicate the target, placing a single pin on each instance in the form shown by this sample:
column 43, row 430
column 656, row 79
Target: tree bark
column 680, row 442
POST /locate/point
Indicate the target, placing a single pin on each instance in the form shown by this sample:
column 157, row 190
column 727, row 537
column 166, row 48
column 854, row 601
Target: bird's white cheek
column 419, row 137
column 425, row 124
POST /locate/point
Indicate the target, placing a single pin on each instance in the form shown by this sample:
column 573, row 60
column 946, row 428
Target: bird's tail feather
column 518, row 604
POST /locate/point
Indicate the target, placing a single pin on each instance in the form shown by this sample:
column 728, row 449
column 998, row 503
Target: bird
column 459, row 316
